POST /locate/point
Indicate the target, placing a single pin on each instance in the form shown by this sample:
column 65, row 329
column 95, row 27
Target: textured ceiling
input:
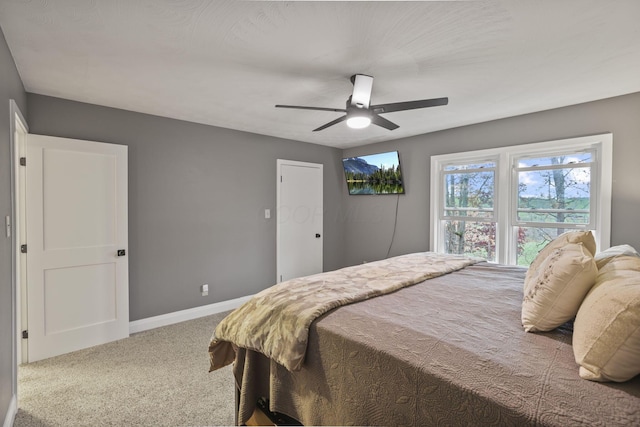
column 227, row 63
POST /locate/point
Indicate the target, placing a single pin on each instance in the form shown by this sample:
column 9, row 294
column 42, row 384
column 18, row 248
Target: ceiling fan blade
column 381, row 121
column 408, row 105
column 362, row 86
column 331, row 123
column 339, row 110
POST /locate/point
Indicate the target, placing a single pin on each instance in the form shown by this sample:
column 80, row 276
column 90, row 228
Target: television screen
column 374, row 174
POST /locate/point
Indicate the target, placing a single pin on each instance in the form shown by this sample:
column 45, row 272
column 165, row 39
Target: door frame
column 17, row 125
column 280, row 163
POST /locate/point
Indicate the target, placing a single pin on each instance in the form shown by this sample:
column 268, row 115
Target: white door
column 76, row 224
column 300, row 219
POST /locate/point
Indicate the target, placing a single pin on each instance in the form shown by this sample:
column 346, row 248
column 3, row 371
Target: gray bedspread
column 447, row 351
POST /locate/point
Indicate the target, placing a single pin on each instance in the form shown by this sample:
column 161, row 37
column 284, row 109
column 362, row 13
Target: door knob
column 317, row 235
column 122, row 252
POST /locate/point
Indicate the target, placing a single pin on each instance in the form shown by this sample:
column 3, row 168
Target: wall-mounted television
column 374, row 174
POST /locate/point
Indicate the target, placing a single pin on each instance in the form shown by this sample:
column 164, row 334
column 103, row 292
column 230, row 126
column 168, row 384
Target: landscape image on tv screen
column 374, row 174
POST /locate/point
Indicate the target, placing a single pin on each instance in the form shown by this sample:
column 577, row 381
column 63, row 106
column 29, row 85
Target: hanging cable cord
column 395, row 224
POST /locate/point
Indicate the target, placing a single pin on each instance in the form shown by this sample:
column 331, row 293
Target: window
column 469, row 214
column 553, row 195
column 505, row 204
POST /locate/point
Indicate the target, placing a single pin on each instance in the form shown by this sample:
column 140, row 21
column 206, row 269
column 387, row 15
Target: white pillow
column 607, row 255
column 553, row 294
column 584, row 237
column 606, row 332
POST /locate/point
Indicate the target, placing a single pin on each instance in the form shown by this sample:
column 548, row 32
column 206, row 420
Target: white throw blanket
column 275, row 322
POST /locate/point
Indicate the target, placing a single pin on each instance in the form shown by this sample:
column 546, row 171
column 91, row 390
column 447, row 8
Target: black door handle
column 317, row 235
column 122, row 252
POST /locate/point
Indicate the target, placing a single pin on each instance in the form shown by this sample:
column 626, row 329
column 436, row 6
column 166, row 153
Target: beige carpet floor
column 154, row 378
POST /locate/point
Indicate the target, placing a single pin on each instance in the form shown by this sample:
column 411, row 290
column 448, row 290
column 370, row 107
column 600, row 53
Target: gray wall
column 10, row 88
column 369, row 220
column 197, row 196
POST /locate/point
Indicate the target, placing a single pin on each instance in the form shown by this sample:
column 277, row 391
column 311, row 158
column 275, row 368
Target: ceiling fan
column 359, row 114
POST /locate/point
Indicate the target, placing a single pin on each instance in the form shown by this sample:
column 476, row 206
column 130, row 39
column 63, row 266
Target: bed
column 449, row 350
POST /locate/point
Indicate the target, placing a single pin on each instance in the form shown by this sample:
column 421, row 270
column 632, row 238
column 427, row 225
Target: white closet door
column 300, row 219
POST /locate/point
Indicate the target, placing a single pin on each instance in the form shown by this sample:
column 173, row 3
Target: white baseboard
column 183, row 315
column 12, row 410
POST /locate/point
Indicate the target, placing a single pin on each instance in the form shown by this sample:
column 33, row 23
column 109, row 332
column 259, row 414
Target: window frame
column 506, row 188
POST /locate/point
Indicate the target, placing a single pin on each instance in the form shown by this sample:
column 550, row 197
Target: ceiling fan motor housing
column 362, row 86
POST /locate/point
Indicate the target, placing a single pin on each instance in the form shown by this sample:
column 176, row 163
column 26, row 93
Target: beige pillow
column 584, row 237
column 606, row 332
column 554, row 293
column 607, row 255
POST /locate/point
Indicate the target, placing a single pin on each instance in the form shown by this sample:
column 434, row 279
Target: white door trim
column 17, row 123
column 280, row 163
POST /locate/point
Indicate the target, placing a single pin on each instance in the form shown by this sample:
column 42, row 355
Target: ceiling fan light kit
column 359, row 113
column 358, row 119
column 358, row 122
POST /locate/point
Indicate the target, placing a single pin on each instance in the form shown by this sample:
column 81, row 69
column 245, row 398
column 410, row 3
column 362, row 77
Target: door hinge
column 23, row 249
column 280, row 178
column 25, row 334
column 23, row 161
